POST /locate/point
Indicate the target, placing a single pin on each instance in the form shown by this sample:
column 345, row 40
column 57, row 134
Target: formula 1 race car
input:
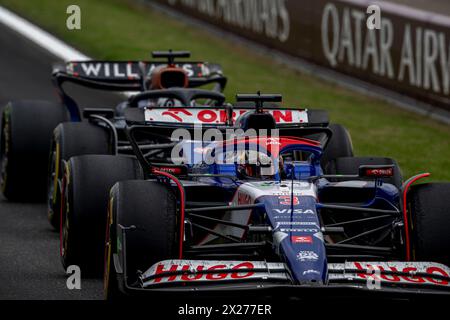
column 73, row 130
column 278, row 202
column 286, row 220
column 87, row 179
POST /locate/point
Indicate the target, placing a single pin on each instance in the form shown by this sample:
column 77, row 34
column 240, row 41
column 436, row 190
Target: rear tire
column 339, row 146
column 26, row 131
column 150, row 207
column 87, row 183
column 71, row 139
column 350, row 165
column 429, row 208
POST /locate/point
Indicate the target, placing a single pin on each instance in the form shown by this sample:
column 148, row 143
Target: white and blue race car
column 256, row 198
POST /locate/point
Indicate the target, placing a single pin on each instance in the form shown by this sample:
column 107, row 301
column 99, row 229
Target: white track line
column 40, row 37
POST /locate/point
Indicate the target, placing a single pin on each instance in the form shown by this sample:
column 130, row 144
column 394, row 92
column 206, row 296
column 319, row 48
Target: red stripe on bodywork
column 182, row 197
column 405, row 188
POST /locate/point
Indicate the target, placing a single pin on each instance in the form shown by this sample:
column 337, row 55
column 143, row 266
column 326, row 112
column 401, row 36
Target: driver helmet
column 254, row 164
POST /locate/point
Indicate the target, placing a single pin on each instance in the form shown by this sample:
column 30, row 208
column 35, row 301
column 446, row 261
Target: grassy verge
column 117, row 29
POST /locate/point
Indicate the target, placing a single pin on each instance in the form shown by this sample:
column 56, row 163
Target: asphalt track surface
column 29, row 248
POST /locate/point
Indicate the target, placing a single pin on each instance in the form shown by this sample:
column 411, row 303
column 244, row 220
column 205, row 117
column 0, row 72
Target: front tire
column 430, row 215
column 71, row 139
column 151, row 208
column 87, row 182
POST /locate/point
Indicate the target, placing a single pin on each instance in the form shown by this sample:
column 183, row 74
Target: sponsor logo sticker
column 307, row 256
column 311, row 271
column 301, row 239
column 311, row 230
column 295, row 211
column 205, row 116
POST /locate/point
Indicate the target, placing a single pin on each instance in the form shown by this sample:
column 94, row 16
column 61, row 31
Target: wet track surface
column 29, row 248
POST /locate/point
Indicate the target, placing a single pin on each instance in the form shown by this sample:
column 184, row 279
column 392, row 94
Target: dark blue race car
column 46, row 134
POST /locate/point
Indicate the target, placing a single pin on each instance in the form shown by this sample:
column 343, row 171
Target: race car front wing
column 194, row 274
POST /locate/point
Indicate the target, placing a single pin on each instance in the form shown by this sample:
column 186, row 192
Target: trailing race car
column 288, row 209
column 29, row 126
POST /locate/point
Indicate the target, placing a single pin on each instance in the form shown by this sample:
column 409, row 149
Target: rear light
column 376, row 171
column 175, row 170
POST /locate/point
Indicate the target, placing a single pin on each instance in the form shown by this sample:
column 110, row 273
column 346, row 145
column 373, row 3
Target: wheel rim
column 65, row 217
column 107, row 271
column 65, row 235
column 53, row 185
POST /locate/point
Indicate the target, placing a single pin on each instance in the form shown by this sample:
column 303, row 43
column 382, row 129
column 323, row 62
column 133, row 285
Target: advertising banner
column 409, row 52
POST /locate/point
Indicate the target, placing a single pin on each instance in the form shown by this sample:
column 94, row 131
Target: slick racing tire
column 339, row 146
column 86, row 185
column 26, row 131
column 430, row 221
column 71, row 139
column 151, row 208
column 350, row 165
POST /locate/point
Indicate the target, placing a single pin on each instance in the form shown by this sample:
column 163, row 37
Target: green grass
column 117, row 29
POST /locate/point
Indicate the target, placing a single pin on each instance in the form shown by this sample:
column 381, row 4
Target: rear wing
column 218, row 116
column 131, row 73
column 123, row 71
column 127, row 76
